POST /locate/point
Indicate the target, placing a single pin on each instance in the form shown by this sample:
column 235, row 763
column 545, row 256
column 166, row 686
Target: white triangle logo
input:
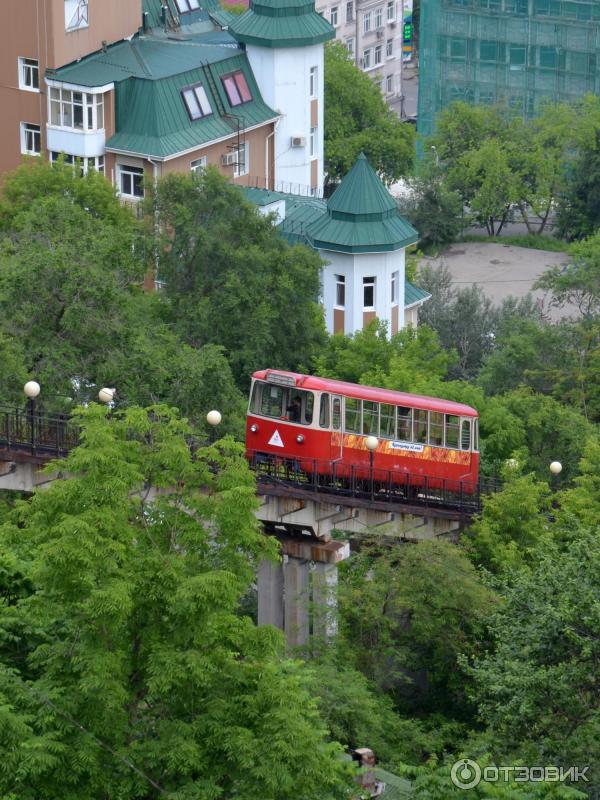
column 276, row 440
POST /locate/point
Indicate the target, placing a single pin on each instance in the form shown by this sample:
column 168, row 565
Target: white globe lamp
column 106, row 395
column 556, row 467
column 214, row 418
column 372, row 443
column 31, row 389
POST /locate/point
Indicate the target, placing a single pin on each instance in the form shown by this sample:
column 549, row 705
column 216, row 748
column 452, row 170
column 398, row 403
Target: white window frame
column 132, row 171
column 350, row 45
column 28, row 67
column 185, row 6
column 377, row 54
column 389, row 48
column 313, row 82
column 391, row 11
column 340, row 282
column 199, row 164
column 369, row 281
column 76, row 15
column 350, row 8
column 84, row 164
column 379, row 18
column 389, row 84
column 92, row 109
column 334, row 16
column 367, row 22
column 196, row 101
column 367, row 58
column 28, row 132
column 394, row 281
column 313, row 143
column 241, row 164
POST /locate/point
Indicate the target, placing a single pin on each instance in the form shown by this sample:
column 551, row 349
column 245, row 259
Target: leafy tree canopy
column 357, row 120
column 231, row 280
column 126, row 667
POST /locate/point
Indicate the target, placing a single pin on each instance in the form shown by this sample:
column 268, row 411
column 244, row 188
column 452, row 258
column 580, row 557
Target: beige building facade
column 371, row 31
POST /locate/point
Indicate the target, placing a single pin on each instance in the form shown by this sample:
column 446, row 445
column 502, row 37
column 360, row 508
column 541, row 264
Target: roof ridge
column 140, row 59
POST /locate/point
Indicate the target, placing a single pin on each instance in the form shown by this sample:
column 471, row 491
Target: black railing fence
column 37, row 433
column 47, row 436
column 375, row 485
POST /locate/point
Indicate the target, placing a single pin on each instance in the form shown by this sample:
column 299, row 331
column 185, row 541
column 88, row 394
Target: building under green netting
column 518, row 52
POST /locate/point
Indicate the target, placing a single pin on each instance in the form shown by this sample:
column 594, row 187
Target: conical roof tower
column 281, row 23
column 362, row 216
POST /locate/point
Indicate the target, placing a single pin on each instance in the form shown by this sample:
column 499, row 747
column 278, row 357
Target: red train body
column 323, row 425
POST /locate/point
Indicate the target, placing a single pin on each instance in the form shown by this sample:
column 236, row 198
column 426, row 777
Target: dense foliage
column 129, row 664
column 357, row 120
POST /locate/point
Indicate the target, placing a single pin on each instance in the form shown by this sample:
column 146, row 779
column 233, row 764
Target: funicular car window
column 404, row 424
column 324, row 411
column 353, row 414
column 336, row 413
column 452, row 430
column 370, row 423
column 271, row 404
column 420, row 426
column 436, row 428
column 465, row 435
column 387, row 421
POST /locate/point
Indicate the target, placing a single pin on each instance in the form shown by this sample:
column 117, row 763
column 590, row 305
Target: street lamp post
column 32, row 390
column 372, row 442
column 213, row 418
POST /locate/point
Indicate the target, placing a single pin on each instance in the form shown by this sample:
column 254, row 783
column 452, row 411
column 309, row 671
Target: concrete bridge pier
column 298, row 594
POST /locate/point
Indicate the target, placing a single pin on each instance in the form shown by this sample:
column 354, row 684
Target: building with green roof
column 362, row 237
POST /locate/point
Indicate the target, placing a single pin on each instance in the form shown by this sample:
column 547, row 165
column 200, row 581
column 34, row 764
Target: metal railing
column 375, row 485
column 37, row 433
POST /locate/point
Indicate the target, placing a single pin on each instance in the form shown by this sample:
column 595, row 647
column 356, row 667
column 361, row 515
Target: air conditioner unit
column 228, row 159
column 393, row 23
column 298, row 141
column 380, row 33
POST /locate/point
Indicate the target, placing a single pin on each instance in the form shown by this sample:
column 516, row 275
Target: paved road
column 501, row 270
column 407, row 106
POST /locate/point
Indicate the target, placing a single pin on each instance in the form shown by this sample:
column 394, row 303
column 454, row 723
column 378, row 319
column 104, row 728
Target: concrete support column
column 296, row 574
column 325, row 578
column 270, row 594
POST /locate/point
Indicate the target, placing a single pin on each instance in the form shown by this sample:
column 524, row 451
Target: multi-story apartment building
column 519, row 52
column 371, row 30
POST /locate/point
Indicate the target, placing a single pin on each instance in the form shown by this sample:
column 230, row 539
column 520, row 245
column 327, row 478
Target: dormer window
column 236, row 88
column 185, row 6
column 196, row 102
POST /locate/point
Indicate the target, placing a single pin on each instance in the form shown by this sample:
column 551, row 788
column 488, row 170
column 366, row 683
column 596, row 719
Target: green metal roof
column 152, row 118
column 281, row 23
column 361, row 195
column 414, row 295
column 362, row 216
column 396, row 788
column 145, row 57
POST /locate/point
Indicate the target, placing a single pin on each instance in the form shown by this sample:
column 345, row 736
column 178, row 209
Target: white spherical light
column 214, row 417
column 106, row 395
column 512, row 463
column 32, row 389
column 372, row 442
column 556, row 467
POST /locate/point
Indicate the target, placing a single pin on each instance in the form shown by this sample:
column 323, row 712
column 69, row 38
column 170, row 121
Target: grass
column 532, row 240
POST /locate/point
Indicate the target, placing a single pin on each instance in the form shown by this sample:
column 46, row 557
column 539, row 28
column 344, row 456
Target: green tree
column 126, row 667
column 577, row 282
column 357, row 120
column 434, row 210
column 407, row 613
column 578, row 212
column 231, row 280
column 537, row 689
